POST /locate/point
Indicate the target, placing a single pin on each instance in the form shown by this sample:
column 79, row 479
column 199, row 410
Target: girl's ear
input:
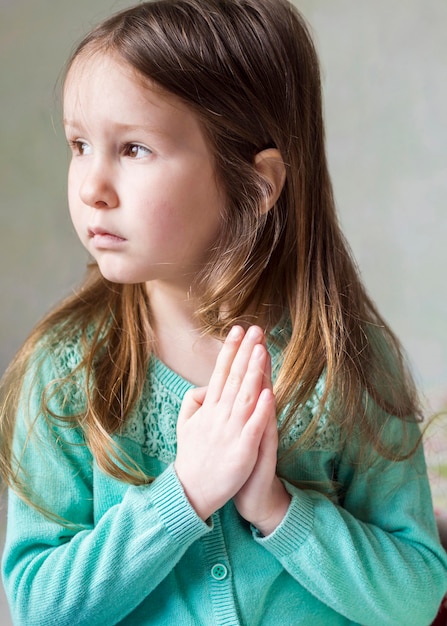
column 269, row 164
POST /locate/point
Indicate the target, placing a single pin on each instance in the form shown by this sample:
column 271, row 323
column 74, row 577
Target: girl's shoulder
column 65, row 346
column 56, row 369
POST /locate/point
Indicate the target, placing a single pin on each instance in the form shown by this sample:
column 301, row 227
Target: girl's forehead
column 92, row 68
column 94, row 64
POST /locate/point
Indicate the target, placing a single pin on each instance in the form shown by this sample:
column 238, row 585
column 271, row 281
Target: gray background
column 384, row 72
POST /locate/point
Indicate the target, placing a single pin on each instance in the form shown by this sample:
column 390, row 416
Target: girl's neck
column 179, row 342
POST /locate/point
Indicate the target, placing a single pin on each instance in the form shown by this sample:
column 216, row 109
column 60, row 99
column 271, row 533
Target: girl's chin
column 121, row 277
column 118, row 276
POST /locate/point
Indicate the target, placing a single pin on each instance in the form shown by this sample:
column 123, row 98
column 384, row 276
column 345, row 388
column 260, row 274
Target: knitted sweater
column 136, row 555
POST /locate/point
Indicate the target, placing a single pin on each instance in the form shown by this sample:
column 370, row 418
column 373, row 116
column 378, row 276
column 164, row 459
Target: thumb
column 192, row 402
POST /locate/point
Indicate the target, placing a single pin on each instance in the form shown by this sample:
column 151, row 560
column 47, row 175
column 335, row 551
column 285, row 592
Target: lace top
column 152, row 422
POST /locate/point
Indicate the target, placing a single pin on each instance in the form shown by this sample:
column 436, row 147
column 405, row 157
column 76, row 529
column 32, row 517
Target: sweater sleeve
column 63, row 569
column 375, row 556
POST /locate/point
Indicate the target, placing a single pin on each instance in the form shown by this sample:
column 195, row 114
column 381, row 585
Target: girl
column 218, row 428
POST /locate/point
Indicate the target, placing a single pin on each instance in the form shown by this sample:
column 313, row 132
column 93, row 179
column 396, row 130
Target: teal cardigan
column 137, row 555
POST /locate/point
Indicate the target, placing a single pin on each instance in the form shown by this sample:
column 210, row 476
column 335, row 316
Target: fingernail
column 254, row 331
column 235, row 332
column 266, row 395
column 258, row 351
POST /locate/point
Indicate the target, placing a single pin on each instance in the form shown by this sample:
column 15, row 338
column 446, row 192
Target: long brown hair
column 249, row 70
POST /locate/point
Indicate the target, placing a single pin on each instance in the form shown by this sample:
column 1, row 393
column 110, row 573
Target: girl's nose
column 97, row 189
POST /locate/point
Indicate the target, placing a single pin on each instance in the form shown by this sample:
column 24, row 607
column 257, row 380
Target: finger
column 269, row 442
column 192, row 401
column 252, row 384
column 239, row 367
column 224, row 362
column 260, row 419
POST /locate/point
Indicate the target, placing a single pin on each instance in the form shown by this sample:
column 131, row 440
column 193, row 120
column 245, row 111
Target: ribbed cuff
column 294, row 529
column 174, row 508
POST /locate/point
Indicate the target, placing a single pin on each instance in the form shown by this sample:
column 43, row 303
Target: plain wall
column 385, row 97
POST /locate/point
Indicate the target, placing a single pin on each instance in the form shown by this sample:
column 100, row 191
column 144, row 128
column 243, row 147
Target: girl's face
column 142, row 189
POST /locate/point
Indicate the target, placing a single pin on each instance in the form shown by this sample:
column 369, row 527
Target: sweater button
column 219, row 571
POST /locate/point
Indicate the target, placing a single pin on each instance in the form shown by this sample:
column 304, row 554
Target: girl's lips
column 104, row 239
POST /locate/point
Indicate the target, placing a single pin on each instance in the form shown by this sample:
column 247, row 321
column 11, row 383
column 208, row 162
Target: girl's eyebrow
column 122, row 127
column 66, row 122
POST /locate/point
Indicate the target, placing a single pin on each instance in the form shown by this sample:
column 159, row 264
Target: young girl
column 218, row 428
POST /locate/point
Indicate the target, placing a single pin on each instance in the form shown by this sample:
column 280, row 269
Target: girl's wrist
column 202, row 511
column 278, row 509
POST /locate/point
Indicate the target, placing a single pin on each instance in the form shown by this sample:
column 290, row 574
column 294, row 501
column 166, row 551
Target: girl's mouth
column 102, row 238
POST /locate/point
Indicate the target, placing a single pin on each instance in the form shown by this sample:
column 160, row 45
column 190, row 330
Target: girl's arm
column 374, row 557
column 82, row 573
column 64, row 575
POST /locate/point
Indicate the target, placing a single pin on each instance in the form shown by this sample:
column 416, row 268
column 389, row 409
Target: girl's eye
column 135, row 151
column 80, row 147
